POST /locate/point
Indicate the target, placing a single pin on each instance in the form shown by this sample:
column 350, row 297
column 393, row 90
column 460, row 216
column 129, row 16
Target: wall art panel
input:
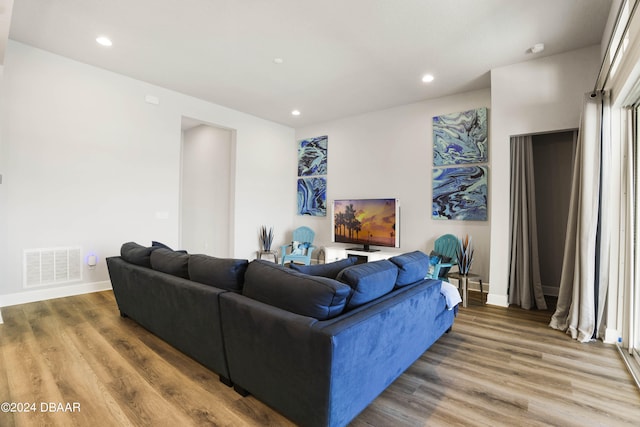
column 460, row 193
column 460, row 138
column 312, row 156
column 312, row 196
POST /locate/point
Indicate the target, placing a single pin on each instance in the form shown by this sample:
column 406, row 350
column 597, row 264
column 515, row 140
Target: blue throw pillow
column 412, row 267
column 369, row 281
column 223, row 273
column 329, row 270
column 158, row 245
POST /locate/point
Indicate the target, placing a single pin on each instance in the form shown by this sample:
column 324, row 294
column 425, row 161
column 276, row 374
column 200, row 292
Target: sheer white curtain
column 525, row 286
column 585, row 269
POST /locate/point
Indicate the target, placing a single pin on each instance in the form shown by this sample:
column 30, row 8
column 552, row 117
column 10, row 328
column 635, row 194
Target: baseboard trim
column 499, row 300
column 610, row 336
column 51, row 293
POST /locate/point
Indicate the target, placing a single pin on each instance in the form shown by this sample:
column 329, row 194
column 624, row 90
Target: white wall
column 86, row 161
column 389, row 153
column 206, row 189
column 530, row 97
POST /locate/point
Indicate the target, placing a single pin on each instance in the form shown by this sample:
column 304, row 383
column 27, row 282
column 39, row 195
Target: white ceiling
column 341, row 57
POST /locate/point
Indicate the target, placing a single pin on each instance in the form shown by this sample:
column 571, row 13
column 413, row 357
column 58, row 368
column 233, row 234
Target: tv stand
column 368, row 256
column 336, row 253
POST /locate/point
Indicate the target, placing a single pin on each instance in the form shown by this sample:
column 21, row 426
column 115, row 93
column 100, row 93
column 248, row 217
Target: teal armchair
column 303, row 240
column 445, row 254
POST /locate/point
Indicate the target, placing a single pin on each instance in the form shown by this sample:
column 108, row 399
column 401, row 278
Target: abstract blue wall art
column 312, row 196
column 460, row 138
column 312, row 156
column 460, row 193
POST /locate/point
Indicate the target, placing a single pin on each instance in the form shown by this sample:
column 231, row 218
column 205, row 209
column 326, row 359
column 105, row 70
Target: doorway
column 553, row 155
column 207, row 188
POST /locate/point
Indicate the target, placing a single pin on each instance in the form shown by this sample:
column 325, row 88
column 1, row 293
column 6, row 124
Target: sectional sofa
column 317, row 345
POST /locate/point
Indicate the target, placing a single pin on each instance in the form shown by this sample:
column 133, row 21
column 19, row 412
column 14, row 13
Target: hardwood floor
column 496, row 367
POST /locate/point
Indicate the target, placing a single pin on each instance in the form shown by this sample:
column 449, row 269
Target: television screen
column 366, row 222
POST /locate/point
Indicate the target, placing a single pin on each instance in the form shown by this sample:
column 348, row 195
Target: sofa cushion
column 223, row 273
column 330, row 270
column 170, row 262
column 136, row 254
column 369, row 281
column 412, row 266
column 318, row 297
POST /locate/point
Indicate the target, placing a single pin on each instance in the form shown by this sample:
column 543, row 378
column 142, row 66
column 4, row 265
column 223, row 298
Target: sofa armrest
column 374, row 346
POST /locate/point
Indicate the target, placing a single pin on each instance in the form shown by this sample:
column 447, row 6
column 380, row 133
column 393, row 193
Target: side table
column 274, row 254
column 463, row 280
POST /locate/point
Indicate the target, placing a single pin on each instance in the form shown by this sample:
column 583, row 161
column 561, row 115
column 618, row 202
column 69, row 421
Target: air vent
column 52, row 266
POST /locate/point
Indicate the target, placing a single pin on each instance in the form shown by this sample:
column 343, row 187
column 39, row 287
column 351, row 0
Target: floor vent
column 52, row 266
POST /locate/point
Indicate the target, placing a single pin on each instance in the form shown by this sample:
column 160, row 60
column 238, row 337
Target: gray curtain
column 525, row 287
column 585, row 268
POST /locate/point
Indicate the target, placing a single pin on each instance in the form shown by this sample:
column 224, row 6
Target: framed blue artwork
column 312, row 196
column 460, row 138
column 312, row 156
column 460, row 193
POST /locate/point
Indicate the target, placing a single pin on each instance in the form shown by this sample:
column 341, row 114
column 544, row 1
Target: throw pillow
column 297, row 248
column 160, row 245
column 170, row 262
column 369, row 281
column 157, row 245
column 318, row 297
column 223, row 273
column 412, row 267
column 441, row 258
column 329, row 270
column 433, row 261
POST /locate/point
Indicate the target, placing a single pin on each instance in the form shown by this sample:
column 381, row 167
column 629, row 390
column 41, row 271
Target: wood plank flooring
column 497, row 367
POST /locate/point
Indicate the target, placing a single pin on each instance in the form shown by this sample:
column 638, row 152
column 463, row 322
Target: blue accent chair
column 445, row 248
column 303, row 236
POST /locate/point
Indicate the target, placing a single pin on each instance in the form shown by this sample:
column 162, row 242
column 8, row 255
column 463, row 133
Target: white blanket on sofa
column 451, row 294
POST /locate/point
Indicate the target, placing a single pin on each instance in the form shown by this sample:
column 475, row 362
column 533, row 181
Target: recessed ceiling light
column 104, row 41
column 427, row 78
column 295, row 113
column 278, row 60
column 537, row 48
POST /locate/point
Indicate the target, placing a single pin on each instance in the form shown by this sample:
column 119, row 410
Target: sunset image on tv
column 370, row 222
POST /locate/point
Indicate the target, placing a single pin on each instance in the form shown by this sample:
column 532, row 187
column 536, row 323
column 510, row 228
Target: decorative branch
column 266, row 238
column 464, row 254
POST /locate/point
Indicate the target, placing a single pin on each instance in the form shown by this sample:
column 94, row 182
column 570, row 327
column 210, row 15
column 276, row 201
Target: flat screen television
column 366, row 222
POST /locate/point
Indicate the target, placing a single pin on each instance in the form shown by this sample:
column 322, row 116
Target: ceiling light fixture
column 104, row 41
column 295, row 113
column 537, row 48
column 427, row 78
column 278, row 60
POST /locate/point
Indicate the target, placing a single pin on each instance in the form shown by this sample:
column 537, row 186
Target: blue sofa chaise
column 320, row 364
